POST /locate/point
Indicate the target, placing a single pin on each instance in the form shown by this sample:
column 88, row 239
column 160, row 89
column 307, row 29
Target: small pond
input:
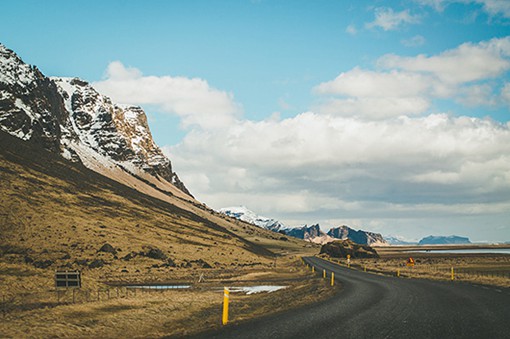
column 237, row 289
column 160, row 287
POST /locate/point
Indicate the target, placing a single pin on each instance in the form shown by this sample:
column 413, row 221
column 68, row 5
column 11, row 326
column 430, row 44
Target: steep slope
column 59, row 214
column 68, row 116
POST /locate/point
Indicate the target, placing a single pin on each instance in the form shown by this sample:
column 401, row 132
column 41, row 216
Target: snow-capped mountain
column 311, row 233
column 397, row 240
column 244, row 214
column 67, row 115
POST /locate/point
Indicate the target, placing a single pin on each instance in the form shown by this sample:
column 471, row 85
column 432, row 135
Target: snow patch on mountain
column 244, row 214
column 68, row 116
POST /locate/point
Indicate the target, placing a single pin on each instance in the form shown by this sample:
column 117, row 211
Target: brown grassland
column 56, row 215
column 480, row 268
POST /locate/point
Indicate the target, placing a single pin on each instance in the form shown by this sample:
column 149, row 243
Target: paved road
column 373, row 306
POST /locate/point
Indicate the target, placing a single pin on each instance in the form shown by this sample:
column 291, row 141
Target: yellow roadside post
column 313, row 269
column 365, row 268
column 453, row 275
column 348, row 260
column 332, row 278
column 398, row 273
column 224, row 319
column 324, row 274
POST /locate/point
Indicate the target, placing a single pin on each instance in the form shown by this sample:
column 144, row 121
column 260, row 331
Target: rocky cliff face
column 359, row 237
column 306, row 232
column 67, row 115
column 30, row 106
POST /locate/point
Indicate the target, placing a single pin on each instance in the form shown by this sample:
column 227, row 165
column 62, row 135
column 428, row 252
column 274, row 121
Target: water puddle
column 256, row 289
column 237, row 289
column 160, row 287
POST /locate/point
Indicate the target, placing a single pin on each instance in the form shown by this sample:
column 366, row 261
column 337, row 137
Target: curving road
column 374, row 306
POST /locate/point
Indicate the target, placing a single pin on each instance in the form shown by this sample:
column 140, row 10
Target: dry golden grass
column 487, row 269
column 58, row 215
column 158, row 313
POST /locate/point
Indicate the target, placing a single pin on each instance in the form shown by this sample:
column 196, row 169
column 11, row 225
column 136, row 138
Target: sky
column 389, row 116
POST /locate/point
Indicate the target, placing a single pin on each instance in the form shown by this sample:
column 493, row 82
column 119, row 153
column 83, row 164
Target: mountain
column 396, row 240
column 68, row 116
column 244, row 214
column 84, row 186
column 359, row 237
column 309, row 233
column 57, row 214
column 444, row 240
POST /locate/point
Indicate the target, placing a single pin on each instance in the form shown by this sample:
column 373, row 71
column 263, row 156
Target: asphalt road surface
column 374, row 306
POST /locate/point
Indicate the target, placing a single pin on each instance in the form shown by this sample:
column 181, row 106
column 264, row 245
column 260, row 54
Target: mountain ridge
column 312, row 233
column 68, row 116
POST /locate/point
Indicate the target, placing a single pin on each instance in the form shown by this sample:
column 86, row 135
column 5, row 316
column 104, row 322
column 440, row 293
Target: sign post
column 67, row 279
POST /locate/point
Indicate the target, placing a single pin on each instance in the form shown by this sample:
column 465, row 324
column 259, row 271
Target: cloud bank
column 194, row 100
column 372, row 149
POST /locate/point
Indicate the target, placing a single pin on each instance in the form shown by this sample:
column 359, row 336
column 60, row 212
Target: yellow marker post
column 224, row 319
column 324, row 274
column 313, row 269
column 398, row 273
column 365, row 268
column 453, row 274
column 332, row 278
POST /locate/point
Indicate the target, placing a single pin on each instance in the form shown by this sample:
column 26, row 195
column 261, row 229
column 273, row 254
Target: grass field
column 488, row 269
column 158, row 313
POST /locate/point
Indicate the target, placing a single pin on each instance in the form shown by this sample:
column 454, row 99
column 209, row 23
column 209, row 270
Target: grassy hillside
column 58, row 215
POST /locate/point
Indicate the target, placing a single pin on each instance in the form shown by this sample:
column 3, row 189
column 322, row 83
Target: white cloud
column 417, row 40
column 491, row 7
column 364, row 83
column 505, row 93
column 477, row 95
column 468, row 62
column 409, row 85
column 388, row 20
column 496, row 7
column 351, row 29
column 326, row 166
column 374, row 107
column 192, row 99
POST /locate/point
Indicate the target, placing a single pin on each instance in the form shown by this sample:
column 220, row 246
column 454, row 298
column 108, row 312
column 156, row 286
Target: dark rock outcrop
column 341, row 248
column 108, row 249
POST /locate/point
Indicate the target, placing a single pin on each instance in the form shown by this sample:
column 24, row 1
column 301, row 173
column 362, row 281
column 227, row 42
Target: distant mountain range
column 442, row 240
column 430, row 240
column 311, row 233
column 396, row 240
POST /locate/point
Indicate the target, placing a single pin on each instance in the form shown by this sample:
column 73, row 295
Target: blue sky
column 219, row 79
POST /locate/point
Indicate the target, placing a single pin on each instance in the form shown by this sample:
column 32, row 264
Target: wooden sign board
column 68, row 279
